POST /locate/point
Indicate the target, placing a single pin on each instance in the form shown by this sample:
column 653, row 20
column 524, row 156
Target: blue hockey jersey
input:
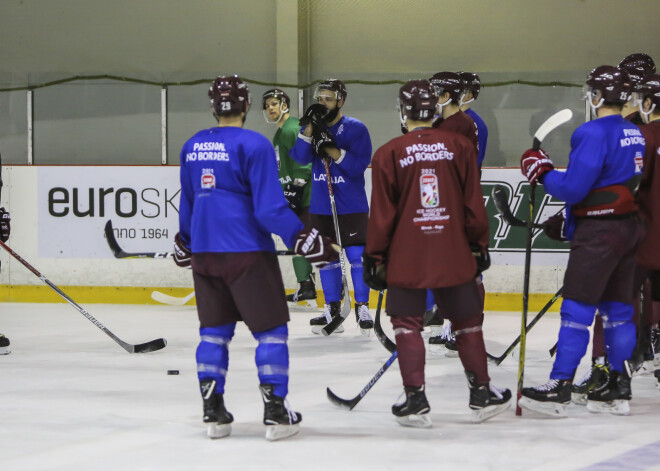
column 352, row 137
column 482, row 134
column 231, row 198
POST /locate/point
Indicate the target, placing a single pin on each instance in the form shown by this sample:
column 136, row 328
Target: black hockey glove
column 293, row 195
column 318, row 249
column 5, row 227
column 374, row 272
column 321, row 140
column 482, row 258
column 182, row 254
column 314, row 115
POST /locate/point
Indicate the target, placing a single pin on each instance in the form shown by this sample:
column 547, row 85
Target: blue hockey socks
column 620, row 332
column 576, row 317
column 331, row 282
column 213, row 354
column 272, row 358
column 360, row 288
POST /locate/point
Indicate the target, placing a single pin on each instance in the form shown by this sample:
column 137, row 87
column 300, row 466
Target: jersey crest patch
column 208, row 180
column 428, row 185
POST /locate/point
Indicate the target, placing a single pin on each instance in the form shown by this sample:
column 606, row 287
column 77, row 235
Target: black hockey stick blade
column 351, row 403
column 378, row 329
column 497, row 360
column 151, row 346
column 119, row 252
column 502, row 205
column 345, row 310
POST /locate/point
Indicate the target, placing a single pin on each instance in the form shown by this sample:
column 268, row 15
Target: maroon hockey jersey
column 648, row 255
column 463, row 125
column 426, row 209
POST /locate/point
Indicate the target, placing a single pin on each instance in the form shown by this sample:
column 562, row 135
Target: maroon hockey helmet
column 637, row 65
column 334, row 85
column 229, row 95
column 448, row 82
column 417, row 100
column 613, row 83
column 277, row 93
column 649, row 87
column 472, row 83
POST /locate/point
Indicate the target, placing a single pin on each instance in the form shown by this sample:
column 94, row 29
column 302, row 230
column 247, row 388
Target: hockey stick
column 551, row 123
column 378, row 329
column 548, row 305
column 502, row 204
column 151, row 346
column 351, row 403
column 346, row 308
column 172, row 300
column 119, row 252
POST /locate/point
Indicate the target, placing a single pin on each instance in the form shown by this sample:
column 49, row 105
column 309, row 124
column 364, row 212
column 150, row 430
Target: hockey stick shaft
column 120, row 253
column 351, row 403
column 548, row 305
column 142, row 348
column 346, row 308
column 378, row 329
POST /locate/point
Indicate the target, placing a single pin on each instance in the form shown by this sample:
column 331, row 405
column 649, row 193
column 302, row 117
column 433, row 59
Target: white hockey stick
column 172, row 300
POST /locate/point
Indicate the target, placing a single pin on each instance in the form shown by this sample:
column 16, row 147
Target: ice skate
column 216, row 417
column 440, row 333
column 413, row 409
column 656, row 373
column 5, row 348
column 305, row 295
column 329, row 311
column 593, row 379
column 279, row 419
column 363, row 318
column 486, row 400
column 614, row 397
column 551, row 398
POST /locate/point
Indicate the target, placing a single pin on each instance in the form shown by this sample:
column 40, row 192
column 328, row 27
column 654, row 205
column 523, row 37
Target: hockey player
column 5, row 229
column 470, row 94
column 450, row 90
column 294, row 178
column 327, row 133
column 604, row 231
column 647, row 93
column 428, row 230
column 638, row 66
column 231, row 202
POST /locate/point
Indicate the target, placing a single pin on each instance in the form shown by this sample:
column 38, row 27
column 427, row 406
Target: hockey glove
column 316, row 248
column 293, row 195
column 182, row 254
column 555, row 227
column 534, row 164
column 314, row 115
column 5, row 227
column 374, row 272
column 482, row 258
column 320, row 141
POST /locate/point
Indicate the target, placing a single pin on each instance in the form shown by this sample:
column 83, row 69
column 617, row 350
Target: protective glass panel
column 13, row 127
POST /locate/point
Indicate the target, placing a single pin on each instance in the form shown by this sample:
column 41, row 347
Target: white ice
column 72, row 399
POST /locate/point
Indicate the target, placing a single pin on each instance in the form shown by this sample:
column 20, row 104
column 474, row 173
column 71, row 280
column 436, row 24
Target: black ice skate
column 446, row 338
column 550, row 398
column 279, row 419
column 215, row 415
column 363, row 318
column 306, row 293
column 486, row 400
column 330, row 310
column 614, row 397
column 656, row 373
column 413, row 410
column 595, row 378
column 4, row 345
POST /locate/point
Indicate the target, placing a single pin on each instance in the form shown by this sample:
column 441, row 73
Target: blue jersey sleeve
column 186, row 200
column 357, row 148
column 588, row 151
column 302, row 151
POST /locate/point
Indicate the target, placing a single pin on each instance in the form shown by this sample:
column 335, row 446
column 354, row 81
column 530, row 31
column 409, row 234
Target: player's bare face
column 273, row 109
column 327, row 99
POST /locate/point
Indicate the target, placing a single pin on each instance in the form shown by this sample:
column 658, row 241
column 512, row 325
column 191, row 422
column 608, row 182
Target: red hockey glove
column 555, row 227
column 482, row 258
column 534, row 164
column 5, row 227
column 316, row 248
column 321, row 140
column 374, row 272
column 182, row 254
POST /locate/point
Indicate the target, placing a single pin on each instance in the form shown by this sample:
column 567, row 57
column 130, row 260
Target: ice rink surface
column 72, row 399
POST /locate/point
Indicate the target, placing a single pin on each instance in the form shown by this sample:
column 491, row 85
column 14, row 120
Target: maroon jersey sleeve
column 649, row 198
